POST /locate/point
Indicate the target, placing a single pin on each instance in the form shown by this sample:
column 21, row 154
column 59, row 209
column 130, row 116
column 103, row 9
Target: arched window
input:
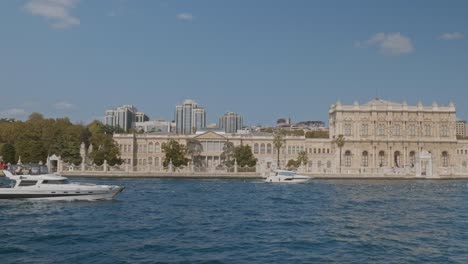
column 365, row 159
column 262, row 148
column 150, row 147
column 315, row 151
column 156, row 161
column 412, row 130
column 256, row 148
column 329, row 164
column 428, row 130
column 319, row 151
column 381, row 130
column 397, row 130
column 364, row 130
column 319, row 164
column 150, row 161
column 445, row 159
column 144, row 148
column 347, row 129
column 269, row 148
column 347, row 158
column 444, row 131
column 464, row 164
column 157, row 147
column 289, row 149
column 412, row 158
column 396, row 159
column 381, row 158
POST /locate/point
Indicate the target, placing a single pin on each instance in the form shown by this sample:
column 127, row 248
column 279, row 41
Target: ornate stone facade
column 380, row 137
column 387, row 135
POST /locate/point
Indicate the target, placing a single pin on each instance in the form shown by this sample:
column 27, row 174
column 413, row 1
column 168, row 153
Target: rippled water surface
column 220, row 221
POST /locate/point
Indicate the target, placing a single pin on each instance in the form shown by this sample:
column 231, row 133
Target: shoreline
column 259, row 177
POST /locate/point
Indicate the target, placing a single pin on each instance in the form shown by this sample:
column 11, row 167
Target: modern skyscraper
column 124, row 117
column 461, row 128
column 141, row 117
column 230, row 122
column 189, row 117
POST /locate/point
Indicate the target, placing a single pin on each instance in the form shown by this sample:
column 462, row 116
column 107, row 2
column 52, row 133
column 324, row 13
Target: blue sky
column 264, row 59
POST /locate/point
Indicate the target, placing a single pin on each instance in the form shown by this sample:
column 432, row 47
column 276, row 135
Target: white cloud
column 394, row 44
column 63, row 106
column 56, row 11
column 185, row 17
column 451, row 36
column 13, row 112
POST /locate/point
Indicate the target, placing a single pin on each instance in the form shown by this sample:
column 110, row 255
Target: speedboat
column 284, row 176
column 53, row 187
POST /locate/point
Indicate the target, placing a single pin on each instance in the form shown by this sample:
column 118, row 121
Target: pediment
column 381, row 118
column 210, row 135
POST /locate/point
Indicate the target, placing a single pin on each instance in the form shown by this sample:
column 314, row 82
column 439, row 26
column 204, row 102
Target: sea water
column 236, row 221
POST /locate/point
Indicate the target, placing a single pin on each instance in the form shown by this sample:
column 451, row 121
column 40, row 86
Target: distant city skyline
column 263, row 59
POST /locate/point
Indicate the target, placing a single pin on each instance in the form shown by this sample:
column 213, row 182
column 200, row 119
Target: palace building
column 380, row 137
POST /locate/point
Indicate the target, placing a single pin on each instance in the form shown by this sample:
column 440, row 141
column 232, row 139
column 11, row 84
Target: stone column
column 405, row 156
column 390, row 157
column 105, row 166
column 235, row 166
column 171, row 169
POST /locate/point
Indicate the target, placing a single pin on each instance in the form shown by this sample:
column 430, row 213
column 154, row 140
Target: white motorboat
column 53, row 187
column 284, row 176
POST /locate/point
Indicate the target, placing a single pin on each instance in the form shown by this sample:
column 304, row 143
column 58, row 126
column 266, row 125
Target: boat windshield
column 287, row 173
column 7, row 182
column 55, row 182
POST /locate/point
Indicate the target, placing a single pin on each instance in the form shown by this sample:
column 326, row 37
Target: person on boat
column 2, row 165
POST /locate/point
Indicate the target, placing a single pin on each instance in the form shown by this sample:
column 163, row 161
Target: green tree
column 194, row 149
column 174, row 152
column 278, row 142
column 104, row 146
column 39, row 137
column 302, row 158
column 228, row 154
column 317, row 134
column 292, row 164
column 244, row 156
column 340, row 142
column 8, row 153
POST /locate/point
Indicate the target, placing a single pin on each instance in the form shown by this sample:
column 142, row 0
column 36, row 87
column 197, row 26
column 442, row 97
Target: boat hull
column 59, row 196
column 286, row 180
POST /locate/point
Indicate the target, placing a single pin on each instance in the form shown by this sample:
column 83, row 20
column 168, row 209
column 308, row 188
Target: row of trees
column 37, row 138
column 278, row 142
column 178, row 154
